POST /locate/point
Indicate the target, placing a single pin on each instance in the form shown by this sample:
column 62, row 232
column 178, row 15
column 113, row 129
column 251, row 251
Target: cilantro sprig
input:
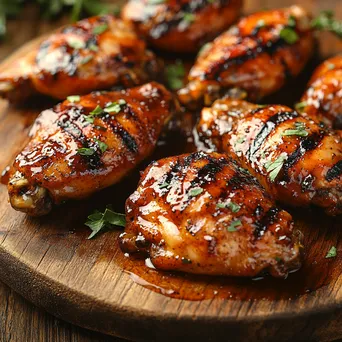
column 325, row 21
column 332, row 253
column 274, row 167
column 98, row 221
column 298, row 129
column 174, row 75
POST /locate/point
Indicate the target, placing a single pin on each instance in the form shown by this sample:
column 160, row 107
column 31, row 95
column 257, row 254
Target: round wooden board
column 90, row 282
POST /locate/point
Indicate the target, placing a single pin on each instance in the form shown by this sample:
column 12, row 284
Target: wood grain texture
column 50, row 262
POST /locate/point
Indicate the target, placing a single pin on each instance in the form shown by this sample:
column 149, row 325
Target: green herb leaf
column 326, row 21
column 331, row 66
column 74, row 98
column 332, row 253
column 273, row 168
column 233, row 225
column 260, row 23
column 300, row 106
column 97, row 111
column 292, row 21
column 164, row 185
column 103, row 146
column 86, row 59
column 114, row 107
column 85, row 151
column 76, row 43
column 93, row 47
column 156, row 2
column 289, row 35
column 174, row 75
column 100, row 29
column 231, row 205
column 195, row 192
column 189, row 17
column 299, row 130
column 98, row 221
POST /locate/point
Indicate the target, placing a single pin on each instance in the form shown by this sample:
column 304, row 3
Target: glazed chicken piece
column 323, row 99
column 256, row 56
column 293, row 157
column 201, row 213
column 86, row 144
column 95, row 53
column 181, row 25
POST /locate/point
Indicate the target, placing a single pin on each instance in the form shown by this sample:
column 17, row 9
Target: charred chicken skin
column 201, row 213
column 95, row 53
column 323, row 99
column 85, row 144
column 256, row 56
column 181, row 25
column 297, row 160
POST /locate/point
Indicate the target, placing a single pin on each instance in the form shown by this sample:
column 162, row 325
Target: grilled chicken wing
column 95, row 53
column 181, row 25
column 257, row 56
column 83, row 146
column 323, row 99
column 202, row 213
column 293, row 157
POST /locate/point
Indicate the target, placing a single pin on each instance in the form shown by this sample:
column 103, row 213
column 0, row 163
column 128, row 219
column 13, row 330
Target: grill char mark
column 269, row 125
column 307, row 144
column 268, row 219
column 334, row 172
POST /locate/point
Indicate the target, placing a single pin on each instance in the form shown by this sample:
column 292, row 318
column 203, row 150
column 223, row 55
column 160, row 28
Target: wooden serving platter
column 92, row 284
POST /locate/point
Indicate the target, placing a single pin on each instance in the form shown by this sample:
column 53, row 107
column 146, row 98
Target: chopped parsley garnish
column 231, row 205
column 76, row 44
column 100, row 29
column 299, row 130
column 164, row 185
column 174, row 75
column 273, row 168
column 189, row 17
column 93, row 47
column 289, row 35
column 326, row 21
column 74, row 98
column 97, row 111
column 204, row 48
column 332, row 253
column 195, row 192
column 155, row 2
column 85, row 151
column 233, row 225
column 300, row 106
column 114, row 107
column 103, row 146
column 98, row 221
column 292, row 21
column 86, row 59
column 331, row 66
column 186, row 261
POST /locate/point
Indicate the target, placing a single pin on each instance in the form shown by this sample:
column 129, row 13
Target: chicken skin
column 323, row 99
column 201, row 213
column 87, row 143
column 256, row 56
column 95, row 53
column 181, row 25
column 294, row 158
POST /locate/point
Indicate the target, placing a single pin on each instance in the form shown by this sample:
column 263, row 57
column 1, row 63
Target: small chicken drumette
column 256, row 56
column 201, row 213
column 323, row 99
column 294, row 158
column 95, row 53
column 86, row 144
column 181, row 25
